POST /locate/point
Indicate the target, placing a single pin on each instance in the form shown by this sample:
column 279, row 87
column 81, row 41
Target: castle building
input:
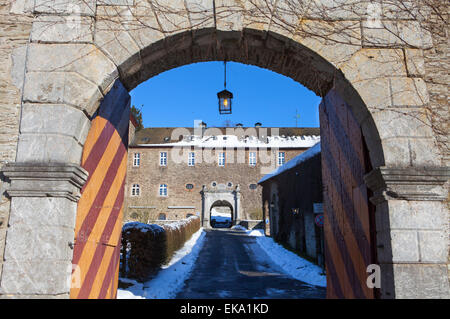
column 176, row 172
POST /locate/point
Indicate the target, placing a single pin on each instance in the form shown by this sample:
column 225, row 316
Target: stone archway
column 221, row 209
column 62, row 74
column 213, row 197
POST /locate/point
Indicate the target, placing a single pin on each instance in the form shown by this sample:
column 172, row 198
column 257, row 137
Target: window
column 189, row 186
column 230, row 184
column 163, row 159
column 221, row 159
column 191, row 159
column 163, row 190
column 135, row 190
column 281, row 158
column 252, row 186
column 136, row 159
column 252, row 158
column 214, row 184
column 162, row 216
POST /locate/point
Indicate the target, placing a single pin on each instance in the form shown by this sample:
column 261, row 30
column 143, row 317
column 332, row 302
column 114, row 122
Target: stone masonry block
column 62, row 29
column 404, row 246
column 28, row 242
column 172, row 16
column 54, row 119
column 43, row 211
column 415, row 63
column 116, row 2
column 84, row 59
column 396, row 151
column 375, row 93
column 74, row 7
column 43, row 276
column 112, row 37
column 407, row 34
column 409, row 91
column 48, row 148
column 62, row 87
column 370, row 64
column 433, row 246
column 421, row 281
column 420, row 215
column 419, row 157
column 402, row 122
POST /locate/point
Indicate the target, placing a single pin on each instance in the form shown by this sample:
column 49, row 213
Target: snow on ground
column 290, row 263
column 239, row 227
column 170, row 279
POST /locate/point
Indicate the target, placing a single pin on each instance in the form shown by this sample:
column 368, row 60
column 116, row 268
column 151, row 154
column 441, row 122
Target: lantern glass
column 225, row 99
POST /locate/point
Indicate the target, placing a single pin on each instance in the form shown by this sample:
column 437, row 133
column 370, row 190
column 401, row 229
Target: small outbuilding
column 292, row 204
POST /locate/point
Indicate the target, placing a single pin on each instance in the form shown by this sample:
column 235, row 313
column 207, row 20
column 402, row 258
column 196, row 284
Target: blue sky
column 180, row 96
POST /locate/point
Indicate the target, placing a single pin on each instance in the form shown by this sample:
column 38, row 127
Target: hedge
column 146, row 247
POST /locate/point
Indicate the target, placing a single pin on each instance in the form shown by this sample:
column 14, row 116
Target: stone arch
column 221, row 204
column 61, row 94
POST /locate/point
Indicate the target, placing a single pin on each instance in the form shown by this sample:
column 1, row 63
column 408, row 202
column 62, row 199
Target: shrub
column 145, row 248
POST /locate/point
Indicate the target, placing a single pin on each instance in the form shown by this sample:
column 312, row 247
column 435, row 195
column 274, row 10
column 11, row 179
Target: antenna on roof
column 297, row 116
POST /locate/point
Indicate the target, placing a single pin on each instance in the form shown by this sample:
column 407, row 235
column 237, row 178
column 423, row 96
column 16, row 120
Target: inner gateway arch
column 66, row 74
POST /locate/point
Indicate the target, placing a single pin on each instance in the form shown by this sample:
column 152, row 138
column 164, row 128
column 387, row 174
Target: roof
column 227, row 136
column 313, row 151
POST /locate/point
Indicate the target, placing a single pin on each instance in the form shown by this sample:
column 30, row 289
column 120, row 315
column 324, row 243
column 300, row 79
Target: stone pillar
column 237, row 205
column 40, row 235
column 412, row 230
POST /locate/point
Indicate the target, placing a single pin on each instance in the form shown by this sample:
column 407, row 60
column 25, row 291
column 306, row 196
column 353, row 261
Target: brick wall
column 149, row 175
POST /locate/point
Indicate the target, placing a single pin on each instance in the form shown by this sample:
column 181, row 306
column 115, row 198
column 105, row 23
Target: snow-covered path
column 233, row 263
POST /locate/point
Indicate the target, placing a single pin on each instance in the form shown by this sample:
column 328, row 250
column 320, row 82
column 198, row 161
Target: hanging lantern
column 225, row 97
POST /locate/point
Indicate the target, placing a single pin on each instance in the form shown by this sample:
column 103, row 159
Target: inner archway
column 221, row 214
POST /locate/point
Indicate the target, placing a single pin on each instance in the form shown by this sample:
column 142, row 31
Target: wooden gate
column 349, row 216
column 99, row 215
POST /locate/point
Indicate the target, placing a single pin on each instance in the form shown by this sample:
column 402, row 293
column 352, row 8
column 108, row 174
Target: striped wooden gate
column 349, row 216
column 99, row 215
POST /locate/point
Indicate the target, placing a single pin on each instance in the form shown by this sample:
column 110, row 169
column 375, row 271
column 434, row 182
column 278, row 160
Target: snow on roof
column 233, row 141
column 293, row 162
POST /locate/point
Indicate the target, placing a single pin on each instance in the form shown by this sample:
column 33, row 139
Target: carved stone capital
column 45, row 180
column 412, row 183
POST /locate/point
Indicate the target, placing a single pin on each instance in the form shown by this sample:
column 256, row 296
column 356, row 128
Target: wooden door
column 100, row 209
column 349, row 224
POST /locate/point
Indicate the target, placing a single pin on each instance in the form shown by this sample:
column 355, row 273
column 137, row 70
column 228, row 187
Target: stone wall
column 77, row 49
column 15, row 28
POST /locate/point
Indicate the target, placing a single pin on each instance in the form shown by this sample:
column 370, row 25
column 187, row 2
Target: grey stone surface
column 45, row 180
column 53, row 29
column 37, row 277
column 433, row 246
column 80, row 7
column 425, row 281
column 28, row 242
column 84, row 59
column 55, row 119
column 48, row 148
column 396, row 33
column 62, row 87
column 49, row 211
